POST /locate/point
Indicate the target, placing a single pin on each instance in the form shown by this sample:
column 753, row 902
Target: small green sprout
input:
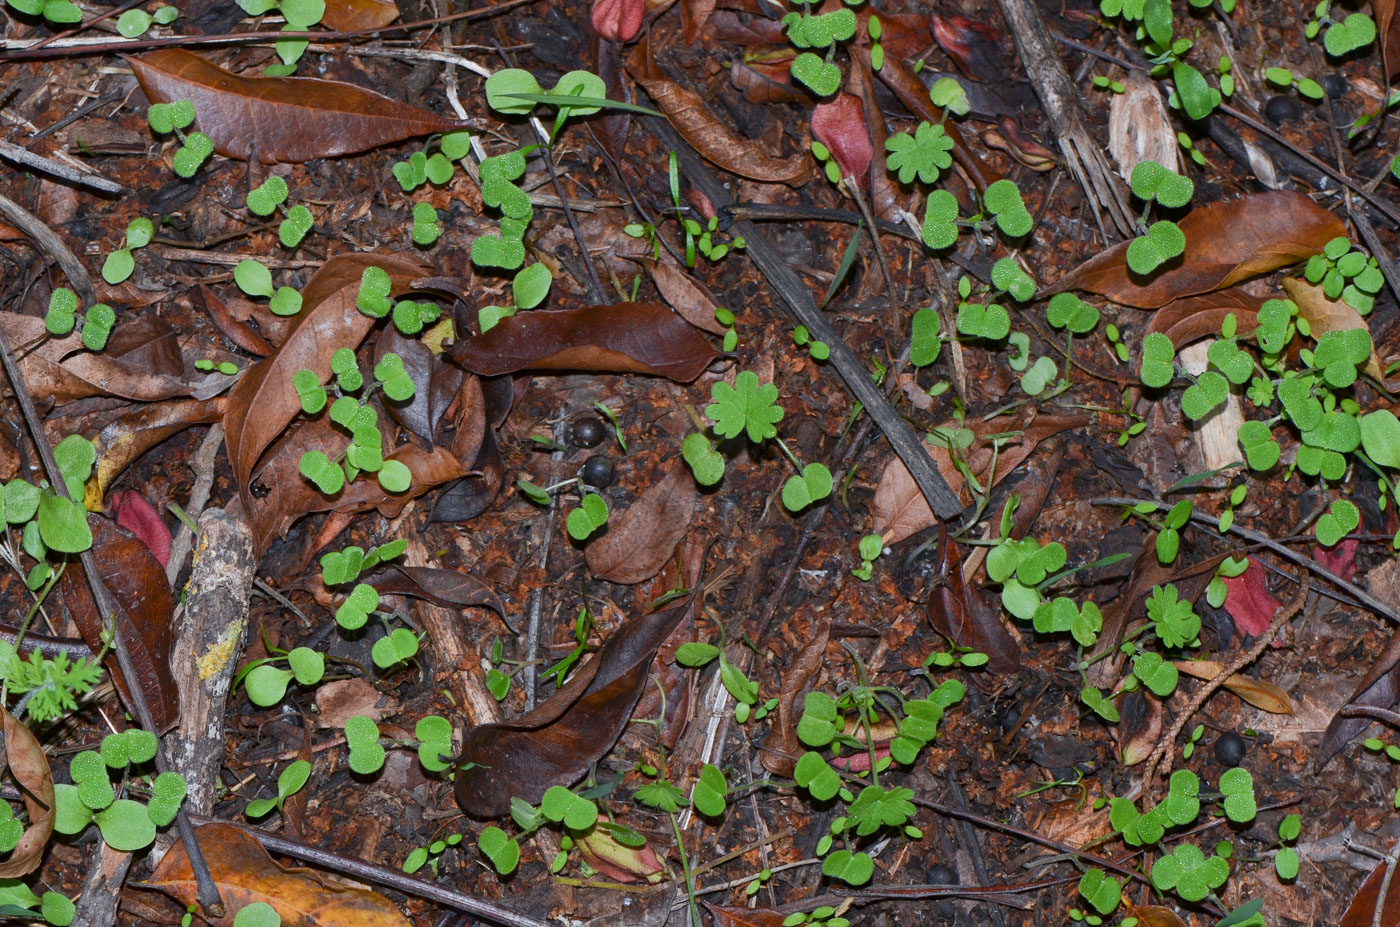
column 120, row 264
column 366, row 753
column 591, row 515
column 289, row 782
column 925, row 154
column 1003, row 200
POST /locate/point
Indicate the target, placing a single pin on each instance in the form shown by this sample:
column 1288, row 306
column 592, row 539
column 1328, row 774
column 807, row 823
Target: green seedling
column 1174, row 621
column 1346, row 274
column 398, row 646
column 366, row 753
column 1169, row 538
column 95, row 325
column 300, row 16
column 1343, row 36
column 58, row 12
column 431, row 854
column 133, row 23
column 266, row 682
column 434, row 735
column 1285, row 79
column 289, row 782
column 925, row 154
column 125, row 824
column 120, row 264
column 1003, row 200
column 870, row 548
column 743, row 689
column 591, row 515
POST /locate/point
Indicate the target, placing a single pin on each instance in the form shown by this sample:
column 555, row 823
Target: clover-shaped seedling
column 393, row 379
column 1260, row 450
column 373, row 296
column 266, row 684
column 1003, row 200
column 165, row 118
column 1169, row 538
column 813, row 484
column 398, row 646
column 820, row 76
column 1204, row 396
column 75, row 457
column 1151, row 181
column 1338, row 432
column 500, row 848
column 1164, row 240
column 1177, row 624
column 704, row 461
column 1101, row 890
column 1007, row 275
column 940, row 228
column 167, row 792
column 410, row 317
column 747, row 406
column 851, row 867
column 924, row 341
column 264, row 199
column 1067, row 311
column 427, row 228
column 1299, row 403
column 820, row 31
column 1275, row 329
column 1341, row 519
column 120, row 264
column 294, row 227
column 498, row 189
column 355, row 610
column 949, row 94
column 1157, row 674
column 318, row 468
column 1027, row 558
column 1237, row 787
column 978, row 320
column 498, row 251
column 289, row 783
column 1286, row 859
column 1351, row 34
column 820, row 720
column 814, row 774
column 310, row 391
column 1040, row 375
column 130, row 746
column 710, row 792
column 63, row 311
column 1339, row 353
column 925, row 154
column 194, row 152
column 89, row 774
column 1063, row 614
column 564, row 807
column 1182, row 804
column 362, row 736
column 591, row 515
column 1189, row 872
column 1231, row 360
column 434, row 735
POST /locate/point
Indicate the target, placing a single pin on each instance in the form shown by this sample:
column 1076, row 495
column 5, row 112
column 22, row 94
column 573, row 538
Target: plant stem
column 685, row 871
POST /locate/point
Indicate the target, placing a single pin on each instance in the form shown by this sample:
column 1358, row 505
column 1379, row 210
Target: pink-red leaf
column 840, row 126
column 137, row 515
column 1249, row 600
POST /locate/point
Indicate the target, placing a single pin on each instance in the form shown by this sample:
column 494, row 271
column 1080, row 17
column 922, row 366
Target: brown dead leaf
column 1388, row 28
column 1195, row 317
column 646, row 338
column 27, row 763
column 961, row 613
column 694, row 15
column 1260, row 693
column 263, row 401
column 349, row 15
column 557, row 742
column 1139, row 727
column 1153, row 915
column 1328, row 315
column 800, row 676
column 245, row 873
column 900, row 510
column 280, row 119
column 762, row 80
column 1226, row 242
column 1362, row 910
column 739, row 916
column 127, row 437
column 145, row 607
column 447, row 588
column 1138, row 127
column 686, row 295
column 642, row 537
column 343, row 699
column 715, row 141
column 240, row 333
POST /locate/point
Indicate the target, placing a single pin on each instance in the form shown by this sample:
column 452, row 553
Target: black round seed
column 598, row 472
column 1281, row 109
column 587, row 432
column 1229, row 749
column 1335, row 86
column 939, row 874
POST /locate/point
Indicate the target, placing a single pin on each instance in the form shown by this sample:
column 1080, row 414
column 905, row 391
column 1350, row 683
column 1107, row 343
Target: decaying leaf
column 1138, row 127
column 125, row 439
column 24, row 756
column 448, row 588
column 715, row 141
column 1362, row 910
column 280, row 119
column 779, row 756
column 145, row 607
column 840, row 126
column 1329, row 315
column 645, row 338
column 1195, row 317
column 642, row 537
column 245, row 873
column 135, row 513
column 739, row 916
column 961, row 613
column 686, row 295
column 1140, row 726
column 1226, row 242
column 1260, row 693
column 348, row 15
column 1249, row 601
column 557, row 742
column 264, row 401
column 900, row 510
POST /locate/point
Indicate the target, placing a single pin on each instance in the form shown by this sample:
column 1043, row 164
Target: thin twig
column 37, row 162
column 53, row 246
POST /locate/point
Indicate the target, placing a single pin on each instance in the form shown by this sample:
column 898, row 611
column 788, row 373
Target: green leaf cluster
column 63, row 317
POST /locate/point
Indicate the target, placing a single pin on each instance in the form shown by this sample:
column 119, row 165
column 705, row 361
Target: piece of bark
column 1083, row 155
column 1216, row 435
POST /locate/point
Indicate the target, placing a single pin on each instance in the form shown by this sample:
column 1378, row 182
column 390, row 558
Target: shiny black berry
column 1281, row 109
column 1229, row 749
column 587, row 432
column 939, row 874
column 598, row 472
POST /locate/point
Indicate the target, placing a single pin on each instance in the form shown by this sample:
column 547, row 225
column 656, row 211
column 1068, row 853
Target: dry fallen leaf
column 24, row 756
column 642, row 537
column 1329, row 315
column 1260, row 693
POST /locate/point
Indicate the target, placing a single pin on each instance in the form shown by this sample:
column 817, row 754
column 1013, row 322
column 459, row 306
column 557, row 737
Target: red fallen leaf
column 1009, row 138
column 970, row 43
column 136, row 514
column 1362, row 910
column 763, row 80
column 240, row 333
column 858, row 761
column 840, row 126
column 618, row 20
column 643, row 338
column 557, row 742
column 1226, row 242
column 1340, row 559
column 1249, row 600
column 280, row 119
column 145, row 607
column 617, row 862
column 962, row 614
column 740, row 916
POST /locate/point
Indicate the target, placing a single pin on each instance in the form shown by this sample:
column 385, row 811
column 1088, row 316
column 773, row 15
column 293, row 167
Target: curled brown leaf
column 642, row 537
column 30, row 766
